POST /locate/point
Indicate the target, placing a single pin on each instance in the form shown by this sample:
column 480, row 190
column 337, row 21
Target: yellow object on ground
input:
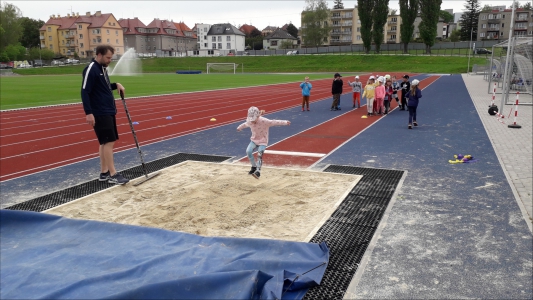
column 213, row 119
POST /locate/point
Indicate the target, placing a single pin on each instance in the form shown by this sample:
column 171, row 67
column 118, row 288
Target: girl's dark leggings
column 387, row 106
column 412, row 114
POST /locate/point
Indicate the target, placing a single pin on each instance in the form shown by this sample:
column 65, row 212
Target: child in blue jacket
column 413, row 95
column 306, row 87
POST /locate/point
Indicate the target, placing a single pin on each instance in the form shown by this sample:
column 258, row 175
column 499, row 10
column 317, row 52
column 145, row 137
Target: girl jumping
column 259, row 140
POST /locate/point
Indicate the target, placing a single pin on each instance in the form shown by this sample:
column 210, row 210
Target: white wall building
column 218, row 39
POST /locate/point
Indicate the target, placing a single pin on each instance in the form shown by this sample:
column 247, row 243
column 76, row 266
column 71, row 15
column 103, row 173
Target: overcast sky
column 257, row 13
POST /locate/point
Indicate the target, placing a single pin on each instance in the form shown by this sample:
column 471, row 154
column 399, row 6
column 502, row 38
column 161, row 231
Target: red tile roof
column 247, row 29
column 161, row 25
column 184, row 28
column 68, row 22
column 62, row 22
column 131, row 26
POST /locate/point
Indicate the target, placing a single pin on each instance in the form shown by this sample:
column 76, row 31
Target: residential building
column 268, row 30
column 189, row 40
column 75, row 34
column 392, row 33
column 134, row 32
column 248, row 29
column 275, row 40
column 495, row 24
column 342, row 23
column 219, row 39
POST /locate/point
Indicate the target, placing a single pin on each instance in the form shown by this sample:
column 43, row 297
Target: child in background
column 388, row 95
column 413, row 95
column 405, row 86
column 369, row 94
column 336, row 91
column 357, row 87
column 259, row 140
column 395, row 87
column 380, row 95
column 306, row 87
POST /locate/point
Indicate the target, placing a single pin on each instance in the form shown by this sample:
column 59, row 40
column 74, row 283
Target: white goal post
column 222, row 68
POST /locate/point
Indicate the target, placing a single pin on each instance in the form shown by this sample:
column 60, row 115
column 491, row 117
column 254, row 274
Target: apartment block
column 218, row 39
column 81, row 34
column 495, row 24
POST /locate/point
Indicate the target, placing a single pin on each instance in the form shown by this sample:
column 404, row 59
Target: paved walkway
column 513, row 146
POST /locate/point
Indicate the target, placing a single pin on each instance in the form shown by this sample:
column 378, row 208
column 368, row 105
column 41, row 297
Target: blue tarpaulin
column 46, row 256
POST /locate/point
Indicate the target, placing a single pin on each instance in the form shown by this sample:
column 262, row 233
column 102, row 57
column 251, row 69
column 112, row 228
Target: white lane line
column 295, row 153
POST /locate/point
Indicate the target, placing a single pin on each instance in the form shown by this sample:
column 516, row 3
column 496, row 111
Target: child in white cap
column 414, row 94
column 259, row 140
column 369, row 94
column 357, row 88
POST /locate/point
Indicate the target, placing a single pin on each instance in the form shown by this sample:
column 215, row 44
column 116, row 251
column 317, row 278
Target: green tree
column 486, row 8
column 285, row 45
column 446, row 16
column 380, row 13
column 4, row 57
column 455, row 36
column 469, row 20
column 16, row 52
column 30, row 32
column 292, row 30
column 10, row 20
column 255, row 33
column 527, row 6
column 365, row 10
column 47, row 54
column 408, row 13
column 429, row 13
column 255, row 43
column 315, row 28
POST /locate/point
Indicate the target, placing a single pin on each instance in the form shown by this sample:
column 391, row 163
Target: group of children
column 379, row 92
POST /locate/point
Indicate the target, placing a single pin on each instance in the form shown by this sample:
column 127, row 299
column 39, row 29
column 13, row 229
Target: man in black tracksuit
column 100, row 110
column 336, row 91
column 405, row 86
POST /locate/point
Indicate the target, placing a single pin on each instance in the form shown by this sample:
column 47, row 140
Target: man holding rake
column 100, row 110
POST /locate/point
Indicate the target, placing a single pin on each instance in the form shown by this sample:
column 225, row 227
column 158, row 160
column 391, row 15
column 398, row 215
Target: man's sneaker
column 118, row 179
column 104, row 176
column 252, row 170
column 256, row 174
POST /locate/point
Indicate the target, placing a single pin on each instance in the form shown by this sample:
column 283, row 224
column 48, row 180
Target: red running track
column 34, row 140
column 324, row 138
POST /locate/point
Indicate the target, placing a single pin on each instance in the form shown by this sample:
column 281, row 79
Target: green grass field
column 30, row 91
column 295, row 63
column 159, row 75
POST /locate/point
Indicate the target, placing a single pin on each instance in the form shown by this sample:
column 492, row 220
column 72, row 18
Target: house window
column 273, row 43
column 153, row 39
column 219, row 45
column 63, row 42
column 116, row 32
column 219, row 38
column 154, row 47
column 117, row 42
column 501, row 33
column 228, row 38
column 484, row 26
column 81, row 36
column 80, row 27
column 81, row 45
column 82, row 53
column 503, row 25
column 484, row 17
column 64, row 51
column 50, row 38
column 228, row 45
column 108, row 31
column 213, row 45
column 491, row 16
column 358, row 29
column 108, row 41
column 51, row 47
column 125, row 40
column 358, row 37
column 498, row 16
column 482, row 34
column 213, row 39
column 94, row 41
column 49, row 29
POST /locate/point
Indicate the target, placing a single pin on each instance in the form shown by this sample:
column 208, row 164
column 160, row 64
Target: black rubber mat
column 81, row 190
column 351, row 227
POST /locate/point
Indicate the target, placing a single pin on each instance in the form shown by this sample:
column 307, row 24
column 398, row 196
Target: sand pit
column 212, row 199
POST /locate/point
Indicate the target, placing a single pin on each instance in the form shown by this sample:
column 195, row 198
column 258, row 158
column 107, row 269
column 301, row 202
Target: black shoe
column 409, row 126
column 104, row 176
column 256, row 174
column 415, row 124
column 118, row 179
column 252, row 170
column 353, row 106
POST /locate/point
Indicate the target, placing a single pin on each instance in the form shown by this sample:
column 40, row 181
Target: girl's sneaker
column 118, row 179
column 415, row 123
column 104, row 176
column 256, row 174
column 252, row 170
column 409, row 126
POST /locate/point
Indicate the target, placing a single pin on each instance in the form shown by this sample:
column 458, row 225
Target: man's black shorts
column 106, row 129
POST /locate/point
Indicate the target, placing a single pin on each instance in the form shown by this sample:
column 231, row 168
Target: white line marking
column 295, row 153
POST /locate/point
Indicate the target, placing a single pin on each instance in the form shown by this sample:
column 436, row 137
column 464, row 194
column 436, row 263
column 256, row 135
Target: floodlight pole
column 468, row 68
column 508, row 64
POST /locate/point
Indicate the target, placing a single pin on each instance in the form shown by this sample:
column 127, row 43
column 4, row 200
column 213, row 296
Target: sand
column 213, row 199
